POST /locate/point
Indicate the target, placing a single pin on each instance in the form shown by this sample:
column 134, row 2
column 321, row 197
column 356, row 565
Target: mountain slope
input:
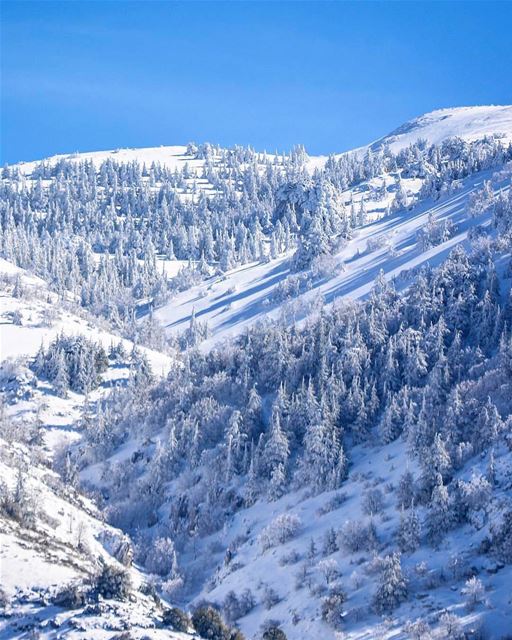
column 252, row 293
column 51, row 536
column 54, row 541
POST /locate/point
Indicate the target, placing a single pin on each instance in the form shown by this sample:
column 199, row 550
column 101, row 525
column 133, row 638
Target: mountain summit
column 468, row 123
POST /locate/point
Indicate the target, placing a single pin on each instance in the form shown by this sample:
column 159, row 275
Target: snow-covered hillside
column 275, row 389
column 40, row 316
column 53, row 546
column 55, row 538
column 51, row 536
column 32, row 317
column 172, row 157
column 233, row 301
column 324, row 548
column 467, row 123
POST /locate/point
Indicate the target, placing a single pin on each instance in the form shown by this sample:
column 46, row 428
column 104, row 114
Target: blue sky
column 331, row 75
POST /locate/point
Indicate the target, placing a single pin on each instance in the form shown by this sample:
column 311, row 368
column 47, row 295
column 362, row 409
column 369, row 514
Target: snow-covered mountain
column 265, row 377
column 53, row 546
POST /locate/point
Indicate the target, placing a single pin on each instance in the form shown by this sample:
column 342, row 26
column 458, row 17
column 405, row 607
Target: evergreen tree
column 435, row 462
column 276, row 450
column 409, row 531
column 319, row 464
column 440, row 516
column 277, row 484
column 405, row 490
column 60, row 375
column 392, row 588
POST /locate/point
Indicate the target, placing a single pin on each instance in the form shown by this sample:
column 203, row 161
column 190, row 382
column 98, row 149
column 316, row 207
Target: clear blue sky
column 331, row 75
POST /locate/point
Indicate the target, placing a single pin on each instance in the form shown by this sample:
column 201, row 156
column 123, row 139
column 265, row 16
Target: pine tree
column 276, row 450
column 401, row 200
column 491, row 469
column 330, row 544
column 39, row 363
column 319, row 464
column 488, row 427
column 252, row 485
column 234, row 440
column 312, row 243
column 253, row 416
column 392, row 588
column 405, row 490
column 312, row 551
column 409, row 532
column 392, row 422
column 435, row 462
column 141, row 374
column 61, row 375
column 277, row 485
column 440, row 516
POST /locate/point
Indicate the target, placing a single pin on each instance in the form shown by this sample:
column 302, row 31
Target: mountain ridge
column 470, row 123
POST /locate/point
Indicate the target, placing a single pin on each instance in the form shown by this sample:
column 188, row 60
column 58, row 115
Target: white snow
column 172, row 157
column 251, row 567
column 43, row 319
column 67, row 544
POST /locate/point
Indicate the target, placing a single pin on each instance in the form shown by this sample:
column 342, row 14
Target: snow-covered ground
column 296, row 573
column 172, row 157
column 54, row 558
column 67, row 544
column 69, row 539
column 468, row 123
column 43, row 318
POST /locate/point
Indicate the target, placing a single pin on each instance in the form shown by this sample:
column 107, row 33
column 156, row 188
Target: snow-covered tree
column 409, row 531
column 392, row 588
